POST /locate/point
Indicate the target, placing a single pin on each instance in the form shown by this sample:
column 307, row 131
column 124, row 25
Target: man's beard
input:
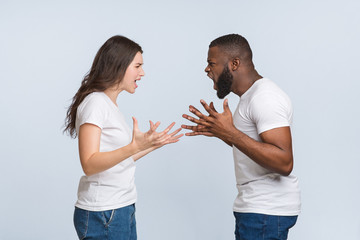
column 224, row 83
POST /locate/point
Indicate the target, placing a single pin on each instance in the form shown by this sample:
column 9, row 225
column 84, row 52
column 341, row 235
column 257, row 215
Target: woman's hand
column 152, row 139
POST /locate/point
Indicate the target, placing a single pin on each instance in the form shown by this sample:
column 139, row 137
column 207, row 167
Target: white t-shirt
column 115, row 187
column 262, row 107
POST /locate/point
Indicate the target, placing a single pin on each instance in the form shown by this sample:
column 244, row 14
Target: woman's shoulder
column 94, row 99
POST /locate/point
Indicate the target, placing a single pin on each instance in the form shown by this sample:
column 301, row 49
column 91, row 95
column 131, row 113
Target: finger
column 207, row 108
column 157, row 124
column 151, row 124
column 196, row 128
column 193, row 128
column 172, row 141
column 178, row 136
column 199, row 133
column 167, row 129
column 186, row 126
column 175, row 132
column 212, row 106
column 135, row 124
column 153, row 127
column 189, row 117
column 175, row 138
column 195, row 111
column 226, row 106
column 191, row 134
column 194, row 120
column 208, row 134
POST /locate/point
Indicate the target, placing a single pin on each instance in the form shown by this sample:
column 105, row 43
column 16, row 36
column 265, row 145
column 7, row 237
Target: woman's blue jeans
column 119, row 224
column 253, row 226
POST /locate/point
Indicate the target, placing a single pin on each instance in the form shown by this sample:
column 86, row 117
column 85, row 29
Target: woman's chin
column 131, row 91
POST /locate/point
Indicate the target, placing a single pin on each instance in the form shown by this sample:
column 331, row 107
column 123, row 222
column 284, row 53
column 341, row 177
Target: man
column 268, row 199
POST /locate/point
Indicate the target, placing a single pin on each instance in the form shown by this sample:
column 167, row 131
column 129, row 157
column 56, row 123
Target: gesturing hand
column 215, row 124
column 153, row 139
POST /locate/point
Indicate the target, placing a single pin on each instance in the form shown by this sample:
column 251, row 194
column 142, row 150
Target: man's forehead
column 215, row 53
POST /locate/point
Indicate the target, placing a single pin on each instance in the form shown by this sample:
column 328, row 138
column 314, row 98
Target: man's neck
column 244, row 82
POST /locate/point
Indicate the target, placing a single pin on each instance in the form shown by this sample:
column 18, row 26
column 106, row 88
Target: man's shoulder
column 267, row 88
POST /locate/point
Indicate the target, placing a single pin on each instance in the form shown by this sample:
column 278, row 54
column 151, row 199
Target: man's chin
column 221, row 95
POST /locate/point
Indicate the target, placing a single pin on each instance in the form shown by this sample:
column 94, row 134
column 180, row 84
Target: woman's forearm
column 101, row 161
column 139, row 155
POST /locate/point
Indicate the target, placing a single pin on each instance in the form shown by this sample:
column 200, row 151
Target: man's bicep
column 279, row 137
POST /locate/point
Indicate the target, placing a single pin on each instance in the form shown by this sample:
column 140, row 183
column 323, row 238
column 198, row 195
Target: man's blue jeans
column 253, row 226
column 116, row 224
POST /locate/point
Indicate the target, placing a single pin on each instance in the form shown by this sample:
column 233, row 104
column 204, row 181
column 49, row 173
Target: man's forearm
column 266, row 155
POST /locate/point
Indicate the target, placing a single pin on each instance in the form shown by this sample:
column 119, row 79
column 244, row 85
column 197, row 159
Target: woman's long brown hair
column 108, row 69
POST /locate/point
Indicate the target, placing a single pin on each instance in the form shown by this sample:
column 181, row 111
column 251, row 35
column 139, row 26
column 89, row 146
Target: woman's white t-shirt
column 115, row 187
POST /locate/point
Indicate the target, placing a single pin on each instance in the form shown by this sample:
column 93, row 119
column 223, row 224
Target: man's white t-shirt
column 264, row 106
column 115, row 187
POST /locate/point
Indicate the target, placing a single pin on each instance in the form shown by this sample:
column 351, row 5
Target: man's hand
column 274, row 152
column 215, row 124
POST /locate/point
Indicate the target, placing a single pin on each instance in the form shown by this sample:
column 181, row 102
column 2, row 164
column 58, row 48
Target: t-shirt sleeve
column 92, row 111
column 270, row 111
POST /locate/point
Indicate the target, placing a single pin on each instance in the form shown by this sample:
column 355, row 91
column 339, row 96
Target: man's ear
column 235, row 63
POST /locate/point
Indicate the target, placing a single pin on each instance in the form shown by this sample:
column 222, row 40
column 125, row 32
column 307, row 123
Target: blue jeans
column 254, row 226
column 114, row 224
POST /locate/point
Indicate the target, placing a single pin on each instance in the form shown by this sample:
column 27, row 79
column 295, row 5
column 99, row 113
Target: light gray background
column 309, row 48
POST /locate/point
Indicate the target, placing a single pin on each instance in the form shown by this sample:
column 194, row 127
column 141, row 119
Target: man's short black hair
column 234, row 45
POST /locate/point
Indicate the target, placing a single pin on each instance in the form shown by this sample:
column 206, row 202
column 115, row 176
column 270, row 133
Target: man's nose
column 207, row 69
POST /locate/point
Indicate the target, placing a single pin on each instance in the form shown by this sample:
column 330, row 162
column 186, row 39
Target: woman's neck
column 112, row 94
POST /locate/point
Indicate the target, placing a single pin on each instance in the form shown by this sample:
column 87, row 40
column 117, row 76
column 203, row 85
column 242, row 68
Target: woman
column 106, row 195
